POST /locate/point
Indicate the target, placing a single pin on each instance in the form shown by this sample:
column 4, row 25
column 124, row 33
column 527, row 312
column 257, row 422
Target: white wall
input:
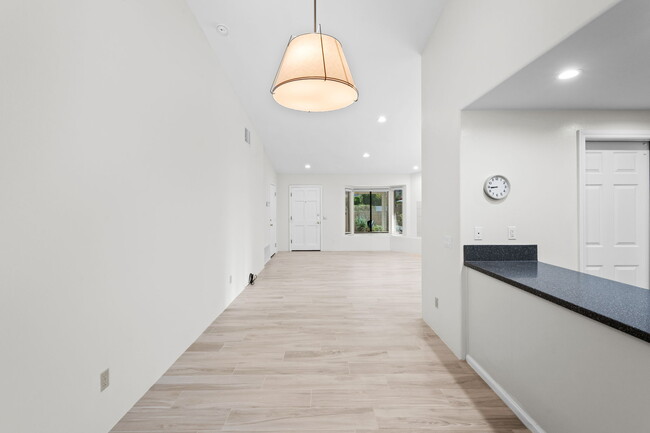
column 567, row 372
column 127, row 198
column 538, row 152
column 333, row 209
column 416, row 196
column 406, row 244
column 270, row 178
column 474, row 47
column 410, row 242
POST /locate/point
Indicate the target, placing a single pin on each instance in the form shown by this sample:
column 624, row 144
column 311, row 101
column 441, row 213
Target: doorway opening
column 305, row 218
column 615, row 206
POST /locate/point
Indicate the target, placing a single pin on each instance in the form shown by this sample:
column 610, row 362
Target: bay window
column 374, row 210
column 398, row 211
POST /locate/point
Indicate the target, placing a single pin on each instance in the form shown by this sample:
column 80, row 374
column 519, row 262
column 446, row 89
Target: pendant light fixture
column 314, row 75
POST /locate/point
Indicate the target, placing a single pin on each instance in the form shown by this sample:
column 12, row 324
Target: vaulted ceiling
column 382, row 40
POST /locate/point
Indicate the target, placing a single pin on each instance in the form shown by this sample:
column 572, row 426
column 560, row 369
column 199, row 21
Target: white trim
column 320, row 217
column 378, row 188
column 583, row 137
column 350, row 206
column 507, row 398
column 391, row 210
column 464, row 319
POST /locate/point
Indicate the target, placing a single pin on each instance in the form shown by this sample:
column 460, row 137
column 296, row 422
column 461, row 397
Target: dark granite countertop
column 621, row 306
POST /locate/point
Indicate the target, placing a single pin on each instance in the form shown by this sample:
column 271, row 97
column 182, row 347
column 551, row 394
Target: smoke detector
column 223, row 30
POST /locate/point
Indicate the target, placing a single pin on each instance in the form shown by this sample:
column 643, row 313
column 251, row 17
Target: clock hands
column 496, row 187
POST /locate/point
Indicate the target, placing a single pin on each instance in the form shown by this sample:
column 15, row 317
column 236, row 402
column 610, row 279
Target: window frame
column 370, row 191
column 391, row 220
column 393, row 216
column 349, row 209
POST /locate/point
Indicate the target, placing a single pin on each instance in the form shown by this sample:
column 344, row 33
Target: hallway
column 328, row 342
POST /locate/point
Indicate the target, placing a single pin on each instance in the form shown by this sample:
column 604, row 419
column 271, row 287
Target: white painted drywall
column 567, row 372
column 538, row 152
column 270, row 178
column 416, row 196
column 333, row 209
column 474, row 47
column 410, row 242
column 127, row 198
column 406, row 244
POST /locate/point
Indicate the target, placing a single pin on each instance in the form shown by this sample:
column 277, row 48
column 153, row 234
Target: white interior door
column 273, row 227
column 305, row 218
column 616, row 220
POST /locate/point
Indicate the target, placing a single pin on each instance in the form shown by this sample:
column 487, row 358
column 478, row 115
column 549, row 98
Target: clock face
column 497, row 187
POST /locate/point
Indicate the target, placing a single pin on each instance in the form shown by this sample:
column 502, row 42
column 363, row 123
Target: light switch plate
column 512, row 233
column 478, row 233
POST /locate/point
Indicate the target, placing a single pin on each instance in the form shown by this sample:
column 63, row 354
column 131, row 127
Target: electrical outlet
column 512, row 233
column 436, row 302
column 104, row 380
column 478, row 233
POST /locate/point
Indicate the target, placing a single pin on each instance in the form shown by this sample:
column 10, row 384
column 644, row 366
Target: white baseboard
column 503, row 395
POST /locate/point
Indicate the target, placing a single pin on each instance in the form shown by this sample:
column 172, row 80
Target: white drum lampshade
column 314, row 75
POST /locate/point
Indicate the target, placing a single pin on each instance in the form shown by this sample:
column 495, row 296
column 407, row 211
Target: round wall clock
column 496, row 187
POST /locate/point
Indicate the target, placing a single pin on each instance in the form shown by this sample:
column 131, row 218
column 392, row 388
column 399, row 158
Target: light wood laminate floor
column 323, row 342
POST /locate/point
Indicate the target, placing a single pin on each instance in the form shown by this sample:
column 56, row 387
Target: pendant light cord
column 314, row 16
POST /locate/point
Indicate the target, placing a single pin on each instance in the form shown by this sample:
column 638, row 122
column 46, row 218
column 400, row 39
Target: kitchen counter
column 620, row 306
column 566, row 351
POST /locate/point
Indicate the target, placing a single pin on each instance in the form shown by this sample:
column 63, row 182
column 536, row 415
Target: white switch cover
column 478, row 233
column 447, row 241
column 512, row 233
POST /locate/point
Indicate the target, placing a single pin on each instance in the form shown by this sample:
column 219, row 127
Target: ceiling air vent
column 247, row 136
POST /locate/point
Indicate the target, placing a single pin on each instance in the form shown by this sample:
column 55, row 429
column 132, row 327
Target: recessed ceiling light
column 568, row 74
column 381, row 119
column 223, row 30
column 366, row 155
column 415, row 167
column 307, row 166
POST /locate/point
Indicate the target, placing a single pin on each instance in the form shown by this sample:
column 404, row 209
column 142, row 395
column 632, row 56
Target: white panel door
column 273, row 231
column 305, row 218
column 616, row 212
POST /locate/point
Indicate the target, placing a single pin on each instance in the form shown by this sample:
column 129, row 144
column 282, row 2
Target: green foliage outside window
column 370, row 212
column 398, row 210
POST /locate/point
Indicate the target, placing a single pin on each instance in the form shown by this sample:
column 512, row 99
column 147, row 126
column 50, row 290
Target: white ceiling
column 614, row 53
column 382, row 40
